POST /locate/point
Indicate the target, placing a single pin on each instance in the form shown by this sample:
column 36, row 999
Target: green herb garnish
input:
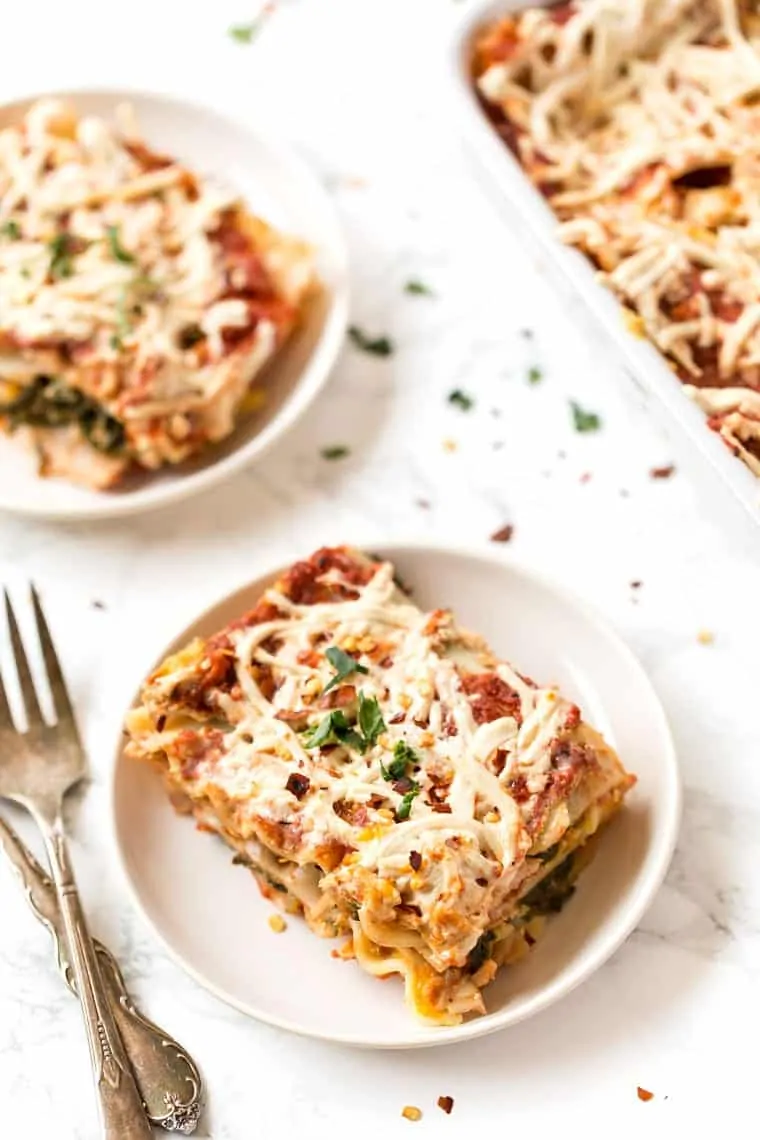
column 535, row 375
column 333, row 729
column 335, row 451
column 370, row 719
column 11, row 230
column 404, row 808
column 377, row 346
column 582, row 420
column 61, row 256
column 117, row 249
column 418, row 289
column 343, row 664
column 403, row 756
column 461, row 399
column 245, row 33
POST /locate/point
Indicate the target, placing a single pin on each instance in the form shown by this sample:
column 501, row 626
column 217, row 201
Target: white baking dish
column 525, row 207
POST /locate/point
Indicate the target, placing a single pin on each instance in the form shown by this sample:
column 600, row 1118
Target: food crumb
column 636, row 584
column 98, row 605
column 277, row 923
column 663, row 472
column 503, row 534
column 644, row 1094
column 705, row 637
column 586, row 477
column 446, row 1103
column 423, row 504
column 411, row 1112
column 449, row 444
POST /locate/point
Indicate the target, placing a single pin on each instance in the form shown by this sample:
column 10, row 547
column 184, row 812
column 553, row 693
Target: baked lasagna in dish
column 639, row 120
column 380, row 770
column 138, row 301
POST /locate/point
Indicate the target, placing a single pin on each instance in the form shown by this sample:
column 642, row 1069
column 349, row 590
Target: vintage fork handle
column 120, row 1104
column 168, row 1079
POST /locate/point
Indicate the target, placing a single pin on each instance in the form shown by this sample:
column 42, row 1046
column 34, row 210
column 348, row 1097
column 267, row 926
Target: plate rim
column 319, row 365
column 660, row 849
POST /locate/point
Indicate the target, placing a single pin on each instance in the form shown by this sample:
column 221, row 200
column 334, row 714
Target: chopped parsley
column 376, row 346
column 335, row 451
column 343, row 664
column 584, row 421
column 404, row 809
column 370, row 719
column 535, row 375
column 333, row 729
column 61, row 261
column 418, row 288
column 118, row 252
column 245, row 33
column 461, row 400
column 11, row 229
column 403, row 756
column 336, row 729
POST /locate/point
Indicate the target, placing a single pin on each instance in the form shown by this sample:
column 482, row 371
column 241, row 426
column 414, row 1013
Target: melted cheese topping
column 447, row 841
column 134, row 281
column 613, row 103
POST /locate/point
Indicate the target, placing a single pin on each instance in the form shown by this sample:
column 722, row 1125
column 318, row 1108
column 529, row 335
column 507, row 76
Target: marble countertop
column 670, row 1011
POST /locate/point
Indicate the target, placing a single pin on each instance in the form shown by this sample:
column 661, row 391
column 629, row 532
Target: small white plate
column 212, row 920
column 279, row 187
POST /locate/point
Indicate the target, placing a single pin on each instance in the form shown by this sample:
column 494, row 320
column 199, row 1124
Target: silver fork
column 38, row 766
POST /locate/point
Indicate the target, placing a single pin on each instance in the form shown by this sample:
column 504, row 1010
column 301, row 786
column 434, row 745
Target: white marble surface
column 673, row 1010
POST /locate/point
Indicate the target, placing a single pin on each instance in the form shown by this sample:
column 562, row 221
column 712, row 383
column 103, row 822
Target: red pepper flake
column 298, row 785
column 160, row 722
column 446, row 1103
column 415, row 860
column 423, row 504
column 662, row 472
column 586, row 477
column 644, row 1094
column 504, row 534
column 636, row 584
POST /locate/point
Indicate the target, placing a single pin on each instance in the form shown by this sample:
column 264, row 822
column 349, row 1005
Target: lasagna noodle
column 138, row 301
column 382, row 771
column 640, row 122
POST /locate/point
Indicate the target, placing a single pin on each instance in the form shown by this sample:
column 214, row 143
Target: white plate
column 277, row 185
column 212, row 920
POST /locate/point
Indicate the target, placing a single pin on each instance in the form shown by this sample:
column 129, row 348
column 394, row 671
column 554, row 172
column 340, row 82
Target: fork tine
column 6, row 719
column 33, row 714
column 58, row 690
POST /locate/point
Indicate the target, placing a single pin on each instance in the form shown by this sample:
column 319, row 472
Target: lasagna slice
column 380, row 770
column 138, row 301
column 639, row 121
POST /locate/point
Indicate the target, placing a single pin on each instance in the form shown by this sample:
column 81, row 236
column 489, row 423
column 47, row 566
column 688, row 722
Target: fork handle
column 121, row 1107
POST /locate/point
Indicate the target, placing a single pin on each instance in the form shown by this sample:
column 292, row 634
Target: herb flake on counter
column 11, row 229
column 417, row 288
column 118, row 252
column 503, row 534
column 247, row 33
column 461, row 400
column 344, row 666
column 535, row 375
column 375, row 346
column 403, row 756
column 335, row 451
column 584, row 421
